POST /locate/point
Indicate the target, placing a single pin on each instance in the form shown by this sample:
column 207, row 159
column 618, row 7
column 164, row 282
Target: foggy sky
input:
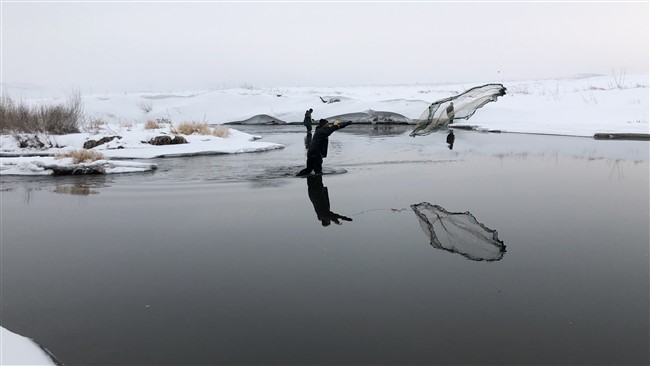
column 215, row 44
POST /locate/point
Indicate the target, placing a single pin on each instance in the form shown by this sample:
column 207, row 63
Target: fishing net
column 459, row 232
column 444, row 111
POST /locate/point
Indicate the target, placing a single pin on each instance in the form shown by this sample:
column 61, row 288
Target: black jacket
column 320, row 140
column 307, row 120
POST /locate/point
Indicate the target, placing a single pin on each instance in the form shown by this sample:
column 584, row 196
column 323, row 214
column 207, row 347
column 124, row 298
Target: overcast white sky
column 178, row 45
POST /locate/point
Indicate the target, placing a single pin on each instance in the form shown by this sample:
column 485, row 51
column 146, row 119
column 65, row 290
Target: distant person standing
column 308, row 120
column 318, row 147
column 450, row 112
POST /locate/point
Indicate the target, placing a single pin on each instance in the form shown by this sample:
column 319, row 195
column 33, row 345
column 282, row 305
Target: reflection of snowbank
column 519, row 145
column 18, row 350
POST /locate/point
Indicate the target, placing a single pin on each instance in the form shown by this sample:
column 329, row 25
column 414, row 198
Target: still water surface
column 222, row 259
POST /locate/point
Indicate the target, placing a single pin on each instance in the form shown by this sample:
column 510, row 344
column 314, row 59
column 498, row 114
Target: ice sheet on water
column 290, row 171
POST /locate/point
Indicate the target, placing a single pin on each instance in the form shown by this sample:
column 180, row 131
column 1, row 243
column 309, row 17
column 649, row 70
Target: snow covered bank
column 129, row 143
column 19, row 350
column 579, row 106
column 51, row 166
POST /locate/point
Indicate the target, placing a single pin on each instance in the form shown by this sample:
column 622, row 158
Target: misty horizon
column 214, row 45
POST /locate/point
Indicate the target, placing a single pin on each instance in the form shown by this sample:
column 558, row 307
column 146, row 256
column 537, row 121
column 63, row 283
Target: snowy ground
column 580, row 106
column 129, row 146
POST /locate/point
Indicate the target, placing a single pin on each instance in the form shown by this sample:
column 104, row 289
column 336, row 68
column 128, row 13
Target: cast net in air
column 444, row 111
column 459, row 232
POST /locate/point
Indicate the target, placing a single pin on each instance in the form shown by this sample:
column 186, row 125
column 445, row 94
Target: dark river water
column 223, row 260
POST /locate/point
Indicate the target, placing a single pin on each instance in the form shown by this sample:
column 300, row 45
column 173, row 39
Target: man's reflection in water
column 307, row 139
column 321, row 200
column 450, row 139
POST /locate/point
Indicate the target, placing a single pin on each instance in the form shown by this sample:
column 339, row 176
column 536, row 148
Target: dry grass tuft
column 145, row 106
column 192, row 128
column 80, row 156
column 94, row 125
column 151, row 125
column 221, row 131
column 58, row 119
column 200, row 128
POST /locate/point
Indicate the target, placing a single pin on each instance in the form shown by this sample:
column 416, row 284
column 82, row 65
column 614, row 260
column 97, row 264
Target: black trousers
column 315, row 164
